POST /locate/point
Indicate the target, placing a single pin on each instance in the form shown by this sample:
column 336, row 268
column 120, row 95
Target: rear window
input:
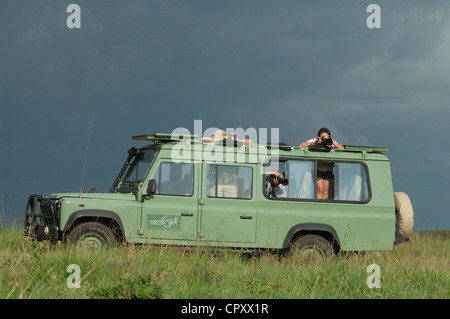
column 343, row 181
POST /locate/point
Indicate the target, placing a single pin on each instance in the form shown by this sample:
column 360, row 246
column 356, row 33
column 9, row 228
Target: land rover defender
column 180, row 191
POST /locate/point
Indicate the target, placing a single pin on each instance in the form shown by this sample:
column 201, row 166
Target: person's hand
column 277, row 174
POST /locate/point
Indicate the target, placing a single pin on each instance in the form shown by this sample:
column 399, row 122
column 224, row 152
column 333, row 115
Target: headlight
column 58, row 211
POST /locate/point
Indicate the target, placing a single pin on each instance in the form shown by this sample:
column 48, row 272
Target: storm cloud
column 153, row 66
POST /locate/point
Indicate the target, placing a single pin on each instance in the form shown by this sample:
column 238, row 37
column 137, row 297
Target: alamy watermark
column 374, row 280
column 249, row 145
column 73, row 21
column 373, row 21
column 74, row 280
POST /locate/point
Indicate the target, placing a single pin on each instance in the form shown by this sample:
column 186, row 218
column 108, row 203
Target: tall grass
column 30, row 269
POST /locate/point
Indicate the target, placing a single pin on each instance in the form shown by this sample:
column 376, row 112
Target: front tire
column 92, row 236
column 311, row 247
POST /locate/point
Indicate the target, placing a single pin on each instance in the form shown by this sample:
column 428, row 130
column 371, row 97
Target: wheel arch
column 106, row 217
column 324, row 230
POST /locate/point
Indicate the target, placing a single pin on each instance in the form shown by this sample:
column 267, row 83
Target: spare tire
column 405, row 214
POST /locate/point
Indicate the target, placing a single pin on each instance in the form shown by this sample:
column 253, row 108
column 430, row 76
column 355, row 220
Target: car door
column 172, row 212
column 227, row 204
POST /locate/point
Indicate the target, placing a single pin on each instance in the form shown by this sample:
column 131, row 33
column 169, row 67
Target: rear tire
column 405, row 214
column 311, row 247
column 92, row 236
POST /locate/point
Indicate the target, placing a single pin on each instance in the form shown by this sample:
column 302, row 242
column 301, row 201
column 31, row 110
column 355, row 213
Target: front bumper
column 41, row 218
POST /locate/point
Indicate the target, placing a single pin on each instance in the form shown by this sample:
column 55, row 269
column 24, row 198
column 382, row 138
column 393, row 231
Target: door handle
column 246, row 217
column 187, row 214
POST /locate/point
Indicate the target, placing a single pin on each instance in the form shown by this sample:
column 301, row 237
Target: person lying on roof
column 221, row 136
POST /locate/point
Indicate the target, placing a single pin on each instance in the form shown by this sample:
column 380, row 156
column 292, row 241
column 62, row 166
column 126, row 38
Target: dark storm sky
column 153, row 66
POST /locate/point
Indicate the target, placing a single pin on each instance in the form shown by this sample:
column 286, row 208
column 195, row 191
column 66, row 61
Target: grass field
column 419, row 269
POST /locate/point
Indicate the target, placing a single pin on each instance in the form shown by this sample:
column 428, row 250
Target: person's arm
column 307, row 143
column 277, row 174
column 244, row 141
column 337, row 145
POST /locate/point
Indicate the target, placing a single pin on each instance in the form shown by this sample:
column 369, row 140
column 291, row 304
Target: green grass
column 28, row 269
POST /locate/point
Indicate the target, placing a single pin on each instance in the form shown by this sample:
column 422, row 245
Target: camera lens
column 327, row 141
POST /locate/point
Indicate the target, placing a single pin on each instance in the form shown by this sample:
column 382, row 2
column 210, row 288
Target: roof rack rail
column 280, row 146
column 373, row 149
column 163, row 137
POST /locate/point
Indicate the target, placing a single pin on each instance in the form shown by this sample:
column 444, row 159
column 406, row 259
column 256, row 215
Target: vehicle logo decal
column 163, row 221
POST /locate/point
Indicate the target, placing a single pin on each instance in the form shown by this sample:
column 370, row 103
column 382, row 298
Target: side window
column 301, row 179
column 351, row 182
column 296, row 180
column 229, row 181
column 175, row 179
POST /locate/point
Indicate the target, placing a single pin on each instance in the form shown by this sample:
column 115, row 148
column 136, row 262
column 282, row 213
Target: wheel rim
column 311, row 253
column 91, row 242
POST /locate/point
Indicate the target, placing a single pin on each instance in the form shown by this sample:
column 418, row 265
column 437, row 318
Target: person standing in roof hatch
column 325, row 175
column 322, row 135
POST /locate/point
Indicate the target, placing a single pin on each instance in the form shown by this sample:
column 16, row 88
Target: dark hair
column 324, row 130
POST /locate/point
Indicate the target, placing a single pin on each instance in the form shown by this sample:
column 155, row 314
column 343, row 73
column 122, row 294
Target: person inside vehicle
column 276, row 185
column 325, row 175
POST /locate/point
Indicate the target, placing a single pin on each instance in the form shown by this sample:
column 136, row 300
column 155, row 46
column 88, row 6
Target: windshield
column 137, row 171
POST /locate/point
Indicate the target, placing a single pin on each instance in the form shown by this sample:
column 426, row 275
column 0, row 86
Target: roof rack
column 280, row 146
column 163, row 137
column 370, row 149
column 169, row 138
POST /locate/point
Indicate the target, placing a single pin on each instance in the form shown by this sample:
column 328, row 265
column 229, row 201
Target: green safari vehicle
column 180, row 191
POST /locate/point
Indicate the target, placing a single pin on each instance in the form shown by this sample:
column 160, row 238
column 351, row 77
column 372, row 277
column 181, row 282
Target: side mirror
column 151, row 188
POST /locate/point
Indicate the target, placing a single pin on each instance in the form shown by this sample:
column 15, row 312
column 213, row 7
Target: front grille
column 41, row 211
column 47, row 211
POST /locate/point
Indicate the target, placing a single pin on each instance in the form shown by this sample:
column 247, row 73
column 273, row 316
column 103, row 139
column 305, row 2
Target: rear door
column 227, row 203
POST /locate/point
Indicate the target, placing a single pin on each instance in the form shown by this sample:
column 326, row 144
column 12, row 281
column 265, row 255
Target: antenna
column 87, row 148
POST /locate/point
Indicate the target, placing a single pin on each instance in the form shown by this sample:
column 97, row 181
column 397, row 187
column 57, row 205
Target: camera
column 281, row 180
column 327, row 141
column 323, row 144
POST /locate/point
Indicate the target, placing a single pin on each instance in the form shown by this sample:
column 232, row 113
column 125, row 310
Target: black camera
column 281, row 180
column 327, row 141
column 323, row 144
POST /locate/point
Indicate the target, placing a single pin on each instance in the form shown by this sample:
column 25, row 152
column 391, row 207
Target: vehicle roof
column 167, row 141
